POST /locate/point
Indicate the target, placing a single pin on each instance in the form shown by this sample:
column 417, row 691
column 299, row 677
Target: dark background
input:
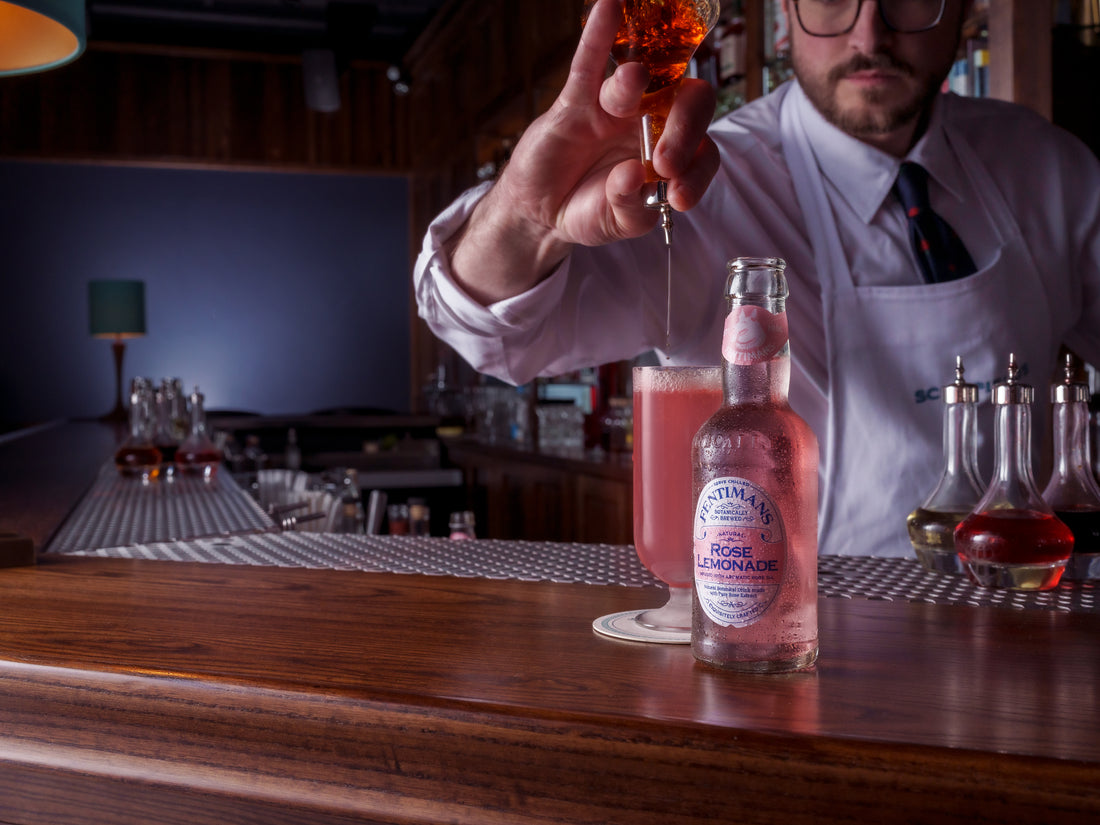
column 274, row 292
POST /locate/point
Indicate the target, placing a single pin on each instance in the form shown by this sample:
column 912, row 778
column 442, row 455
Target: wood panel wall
column 478, row 77
column 202, row 107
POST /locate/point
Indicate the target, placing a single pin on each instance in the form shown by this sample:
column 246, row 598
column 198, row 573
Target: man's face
column 872, row 82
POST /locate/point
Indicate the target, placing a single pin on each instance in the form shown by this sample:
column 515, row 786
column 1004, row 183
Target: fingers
column 629, row 216
column 687, row 190
column 586, row 72
column 622, row 92
column 685, row 128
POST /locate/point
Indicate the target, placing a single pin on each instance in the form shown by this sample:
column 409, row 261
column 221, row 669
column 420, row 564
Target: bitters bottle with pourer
column 198, row 455
column 137, row 456
column 1072, row 491
column 932, row 525
column 662, row 35
column 1013, row 539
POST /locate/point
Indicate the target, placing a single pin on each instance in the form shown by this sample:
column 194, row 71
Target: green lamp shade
column 40, row 34
column 116, row 309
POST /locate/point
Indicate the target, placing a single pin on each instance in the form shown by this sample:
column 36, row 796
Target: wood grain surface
column 137, row 691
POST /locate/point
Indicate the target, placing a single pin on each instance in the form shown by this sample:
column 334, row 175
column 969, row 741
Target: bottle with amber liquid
column 165, row 437
column 1013, row 539
column 137, row 456
column 932, row 525
column 197, row 454
column 754, row 479
column 1072, row 491
column 662, row 35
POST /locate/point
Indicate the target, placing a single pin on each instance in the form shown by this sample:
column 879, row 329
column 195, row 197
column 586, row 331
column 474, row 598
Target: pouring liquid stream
column 663, row 36
column 668, row 304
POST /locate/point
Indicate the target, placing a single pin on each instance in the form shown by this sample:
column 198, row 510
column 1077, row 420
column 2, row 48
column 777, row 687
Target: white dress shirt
column 606, row 304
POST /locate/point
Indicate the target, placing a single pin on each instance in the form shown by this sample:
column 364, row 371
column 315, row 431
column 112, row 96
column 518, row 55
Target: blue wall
column 274, row 292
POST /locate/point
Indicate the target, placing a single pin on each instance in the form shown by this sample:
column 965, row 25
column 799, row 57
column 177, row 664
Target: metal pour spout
column 659, row 200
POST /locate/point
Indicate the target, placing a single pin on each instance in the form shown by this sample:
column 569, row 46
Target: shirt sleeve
column 601, row 304
column 478, row 333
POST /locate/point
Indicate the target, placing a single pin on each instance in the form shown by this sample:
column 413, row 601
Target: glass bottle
column 166, row 439
column 198, row 455
column 397, row 515
column 1013, row 539
column 419, row 517
column 352, row 514
column 932, row 525
column 462, row 525
column 1072, row 491
column 754, row 605
column 137, row 456
column 179, row 419
column 293, row 453
column 253, row 462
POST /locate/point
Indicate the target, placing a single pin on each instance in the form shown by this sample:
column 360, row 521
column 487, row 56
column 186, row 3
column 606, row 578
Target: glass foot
column 939, row 561
column 675, row 615
column 1015, row 576
column 670, row 624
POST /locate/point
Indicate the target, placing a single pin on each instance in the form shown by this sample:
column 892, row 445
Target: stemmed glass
column 670, row 404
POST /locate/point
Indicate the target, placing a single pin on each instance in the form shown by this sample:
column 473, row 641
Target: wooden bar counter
column 137, row 691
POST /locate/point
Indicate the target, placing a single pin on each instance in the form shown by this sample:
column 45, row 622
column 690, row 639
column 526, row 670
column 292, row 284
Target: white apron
column 882, row 451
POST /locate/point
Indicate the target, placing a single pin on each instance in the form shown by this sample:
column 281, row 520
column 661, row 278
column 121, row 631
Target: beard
column 875, row 113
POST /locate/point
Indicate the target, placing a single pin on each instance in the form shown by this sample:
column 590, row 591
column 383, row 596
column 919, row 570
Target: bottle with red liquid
column 754, row 480
column 137, row 456
column 1072, row 491
column 932, row 525
column 197, row 454
column 167, row 438
column 1013, row 539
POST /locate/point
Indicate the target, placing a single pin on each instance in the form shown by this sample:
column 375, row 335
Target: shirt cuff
column 439, row 295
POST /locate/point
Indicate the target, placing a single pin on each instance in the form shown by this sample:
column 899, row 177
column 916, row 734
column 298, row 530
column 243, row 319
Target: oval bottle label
column 740, row 551
column 752, row 335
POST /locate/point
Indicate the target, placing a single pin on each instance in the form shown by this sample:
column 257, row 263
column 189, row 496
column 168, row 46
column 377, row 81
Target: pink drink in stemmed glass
column 670, row 404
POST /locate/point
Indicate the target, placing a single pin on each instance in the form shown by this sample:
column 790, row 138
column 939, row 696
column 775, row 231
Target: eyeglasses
column 832, row 18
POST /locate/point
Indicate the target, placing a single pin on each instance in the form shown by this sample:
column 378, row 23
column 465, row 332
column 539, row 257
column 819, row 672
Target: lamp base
column 118, row 415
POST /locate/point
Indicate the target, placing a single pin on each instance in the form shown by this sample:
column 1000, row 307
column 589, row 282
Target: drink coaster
column 623, row 626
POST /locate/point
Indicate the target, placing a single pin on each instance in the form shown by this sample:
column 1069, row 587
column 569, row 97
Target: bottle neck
column 765, row 383
column 1072, row 482
column 198, row 417
column 142, row 420
column 756, row 351
column 1012, row 473
column 960, row 484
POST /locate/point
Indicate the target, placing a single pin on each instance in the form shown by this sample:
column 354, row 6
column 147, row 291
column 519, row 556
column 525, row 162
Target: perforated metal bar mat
column 521, row 560
column 122, row 518
column 120, row 511
column 905, row 580
column 838, row 577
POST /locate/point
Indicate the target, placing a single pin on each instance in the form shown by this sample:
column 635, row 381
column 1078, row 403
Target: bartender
column 555, row 265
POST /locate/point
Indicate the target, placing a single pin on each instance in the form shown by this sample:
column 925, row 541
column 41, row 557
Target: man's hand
column 576, row 176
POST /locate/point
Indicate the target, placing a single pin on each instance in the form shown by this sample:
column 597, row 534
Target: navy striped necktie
column 939, row 252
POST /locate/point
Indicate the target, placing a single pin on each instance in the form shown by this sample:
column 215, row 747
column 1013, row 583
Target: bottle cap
column 1011, row 391
column 1067, row 390
column 757, row 280
column 960, row 392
